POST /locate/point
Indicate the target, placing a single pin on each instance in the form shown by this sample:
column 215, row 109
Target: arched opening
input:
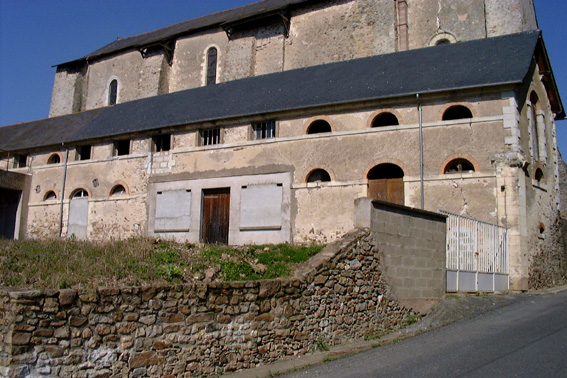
column 443, row 41
column 80, row 193
column 538, row 176
column 50, row 196
column 385, row 119
column 212, row 54
column 54, row 159
column 113, row 92
column 386, row 183
column 318, row 175
column 533, row 125
column 457, row 112
column 459, row 165
column 319, row 126
column 118, row 190
column 78, row 214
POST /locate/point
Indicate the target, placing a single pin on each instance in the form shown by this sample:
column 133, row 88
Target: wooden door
column 389, row 190
column 216, row 215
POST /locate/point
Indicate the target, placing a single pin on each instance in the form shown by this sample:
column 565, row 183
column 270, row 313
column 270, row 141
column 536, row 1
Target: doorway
column 216, row 215
column 78, row 215
column 386, row 183
column 9, row 203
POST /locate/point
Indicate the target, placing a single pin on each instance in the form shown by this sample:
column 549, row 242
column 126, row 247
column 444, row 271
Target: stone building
column 265, row 122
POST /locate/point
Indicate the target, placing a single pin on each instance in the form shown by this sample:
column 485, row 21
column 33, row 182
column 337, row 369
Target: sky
column 35, row 35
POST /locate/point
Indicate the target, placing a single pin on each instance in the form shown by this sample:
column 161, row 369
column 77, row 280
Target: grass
column 46, row 264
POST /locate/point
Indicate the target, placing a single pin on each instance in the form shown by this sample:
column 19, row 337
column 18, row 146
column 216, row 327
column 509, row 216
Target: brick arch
column 324, row 167
column 89, row 194
column 376, row 113
column 119, row 183
column 441, row 35
column 470, row 106
column 452, row 157
column 312, row 120
column 400, row 164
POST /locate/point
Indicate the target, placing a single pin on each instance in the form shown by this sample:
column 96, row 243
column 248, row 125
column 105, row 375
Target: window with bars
column 84, row 152
column 161, row 142
column 20, row 161
column 264, row 130
column 210, row 137
column 122, row 147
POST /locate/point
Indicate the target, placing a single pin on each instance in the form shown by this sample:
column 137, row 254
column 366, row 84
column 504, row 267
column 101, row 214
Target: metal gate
column 477, row 255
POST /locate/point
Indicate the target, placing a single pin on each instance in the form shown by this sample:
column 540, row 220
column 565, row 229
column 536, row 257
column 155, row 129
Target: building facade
column 264, row 123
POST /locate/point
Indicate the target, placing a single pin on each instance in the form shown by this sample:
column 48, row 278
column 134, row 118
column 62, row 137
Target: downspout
column 420, row 150
column 63, row 191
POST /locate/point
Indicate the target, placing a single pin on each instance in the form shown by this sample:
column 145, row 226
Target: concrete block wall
column 412, row 245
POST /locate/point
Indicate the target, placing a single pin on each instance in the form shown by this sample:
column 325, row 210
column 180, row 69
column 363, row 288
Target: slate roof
column 216, row 19
column 475, row 64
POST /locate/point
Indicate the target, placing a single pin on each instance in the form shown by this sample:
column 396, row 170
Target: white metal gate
column 477, row 255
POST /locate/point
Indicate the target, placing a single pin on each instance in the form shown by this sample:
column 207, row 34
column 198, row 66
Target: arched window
column 118, row 190
column 539, row 175
column 49, row 196
column 459, row 165
column 385, row 119
column 319, row 126
column 457, row 112
column 212, row 65
column 80, row 193
column 113, row 92
column 54, row 159
column 443, row 41
column 533, row 125
column 386, row 183
column 318, row 175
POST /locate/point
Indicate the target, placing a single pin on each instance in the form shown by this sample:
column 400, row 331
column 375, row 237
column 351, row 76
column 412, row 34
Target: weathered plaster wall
column 509, row 16
column 198, row 329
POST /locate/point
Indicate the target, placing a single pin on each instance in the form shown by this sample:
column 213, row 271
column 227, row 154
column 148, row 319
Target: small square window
column 20, row 161
column 84, row 152
column 161, row 142
column 122, row 147
column 210, row 137
column 264, row 130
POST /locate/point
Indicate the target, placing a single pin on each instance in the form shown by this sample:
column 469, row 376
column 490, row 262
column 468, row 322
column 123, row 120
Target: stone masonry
column 198, row 329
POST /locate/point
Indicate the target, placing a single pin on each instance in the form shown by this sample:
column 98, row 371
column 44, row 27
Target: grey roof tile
column 474, row 64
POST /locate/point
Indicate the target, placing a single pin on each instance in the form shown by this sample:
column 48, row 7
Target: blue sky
column 37, row 34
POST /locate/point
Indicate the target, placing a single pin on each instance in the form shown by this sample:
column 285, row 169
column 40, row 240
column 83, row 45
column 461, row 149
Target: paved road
column 527, row 338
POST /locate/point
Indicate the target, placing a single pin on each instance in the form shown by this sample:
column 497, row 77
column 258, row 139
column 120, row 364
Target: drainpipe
column 420, row 150
column 63, row 191
column 403, row 40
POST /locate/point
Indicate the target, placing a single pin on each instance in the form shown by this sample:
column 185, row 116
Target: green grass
column 140, row 261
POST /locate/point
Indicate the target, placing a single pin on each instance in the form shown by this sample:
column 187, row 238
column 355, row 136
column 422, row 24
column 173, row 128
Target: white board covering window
column 261, row 207
column 173, row 211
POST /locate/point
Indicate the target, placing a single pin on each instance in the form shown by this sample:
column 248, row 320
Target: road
column 527, row 338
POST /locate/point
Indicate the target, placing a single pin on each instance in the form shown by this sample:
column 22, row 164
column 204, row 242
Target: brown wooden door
column 216, row 215
column 389, row 190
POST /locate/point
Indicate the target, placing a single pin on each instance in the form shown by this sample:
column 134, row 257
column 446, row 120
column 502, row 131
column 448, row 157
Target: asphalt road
column 527, row 338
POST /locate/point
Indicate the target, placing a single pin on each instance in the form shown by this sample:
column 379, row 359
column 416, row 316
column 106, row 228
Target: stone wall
column 412, row 246
column 198, row 329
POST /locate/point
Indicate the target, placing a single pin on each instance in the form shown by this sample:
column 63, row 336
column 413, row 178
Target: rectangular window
column 20, row 161
column 161, row 142
column 264, row 130
column 210, row 137
column 84, row 152
column 122, row 147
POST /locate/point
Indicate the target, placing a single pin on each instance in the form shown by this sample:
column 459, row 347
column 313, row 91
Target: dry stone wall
column 197, row 329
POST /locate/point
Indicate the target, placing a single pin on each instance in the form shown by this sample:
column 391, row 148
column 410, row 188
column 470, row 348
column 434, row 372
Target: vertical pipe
column 63, row 192
column 403, row 43
column 420, row 151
